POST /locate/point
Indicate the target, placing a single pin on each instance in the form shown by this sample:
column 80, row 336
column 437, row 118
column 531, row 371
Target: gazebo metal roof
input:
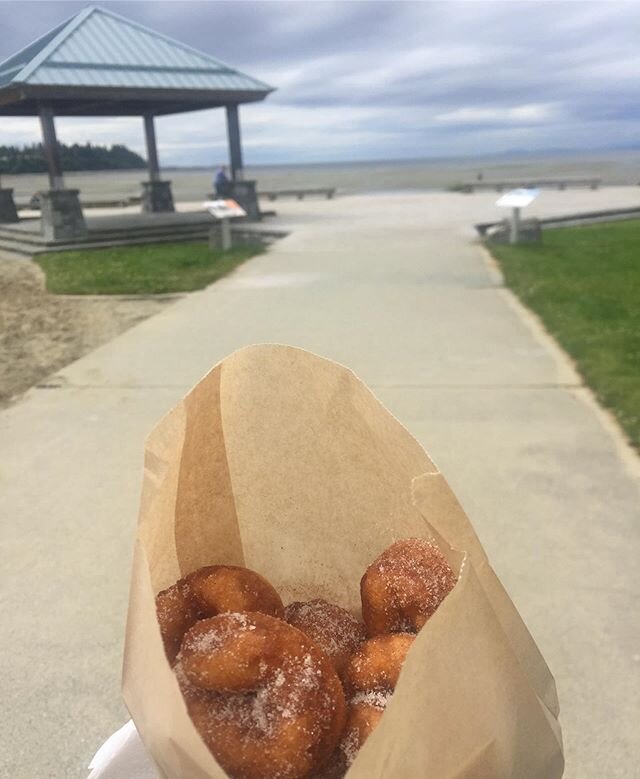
column 99, row 63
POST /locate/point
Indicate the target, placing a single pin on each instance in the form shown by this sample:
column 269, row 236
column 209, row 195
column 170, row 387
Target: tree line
column 87, row 156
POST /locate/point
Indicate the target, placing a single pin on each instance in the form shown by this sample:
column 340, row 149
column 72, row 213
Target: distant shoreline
column 528, row 158
column 194, row 183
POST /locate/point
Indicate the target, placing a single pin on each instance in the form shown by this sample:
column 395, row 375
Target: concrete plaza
column 395, row 287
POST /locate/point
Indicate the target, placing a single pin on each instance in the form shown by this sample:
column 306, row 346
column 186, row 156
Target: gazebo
column 100, row 64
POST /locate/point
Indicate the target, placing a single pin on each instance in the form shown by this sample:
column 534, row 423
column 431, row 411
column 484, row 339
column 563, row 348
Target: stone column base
column 244, row 193
column 8, row 211
column 61, row 216
column 157, row 197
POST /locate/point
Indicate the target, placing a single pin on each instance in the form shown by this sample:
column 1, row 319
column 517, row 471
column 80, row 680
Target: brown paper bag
column 286, row 463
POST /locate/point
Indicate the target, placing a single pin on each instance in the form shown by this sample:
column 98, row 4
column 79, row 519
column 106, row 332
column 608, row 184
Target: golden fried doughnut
column 404, row 586
column 335, row 630
column 265, row 699
column 364, row 715
column 370, row 679
column 208, row 591
column 221, row 588
column 177, row 612
column 377, row 664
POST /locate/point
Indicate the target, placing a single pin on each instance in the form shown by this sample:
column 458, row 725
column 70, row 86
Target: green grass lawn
column 584, row 283
column 148, row 269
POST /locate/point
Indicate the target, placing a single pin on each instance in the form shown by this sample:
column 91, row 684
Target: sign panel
column 518, row 198
column 224, row 209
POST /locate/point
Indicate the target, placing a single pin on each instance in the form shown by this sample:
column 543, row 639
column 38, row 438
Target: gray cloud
column 361, row 79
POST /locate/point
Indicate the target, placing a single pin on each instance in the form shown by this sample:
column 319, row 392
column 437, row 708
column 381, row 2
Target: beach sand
column 40, row 333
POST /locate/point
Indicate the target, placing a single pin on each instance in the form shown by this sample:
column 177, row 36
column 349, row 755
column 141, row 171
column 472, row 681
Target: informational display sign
column 224, row 209
column 517, row 198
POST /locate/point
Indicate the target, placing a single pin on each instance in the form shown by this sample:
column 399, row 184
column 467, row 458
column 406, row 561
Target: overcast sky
column 382, row 80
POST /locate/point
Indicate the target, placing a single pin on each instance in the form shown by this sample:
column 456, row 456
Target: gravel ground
column 40, row 333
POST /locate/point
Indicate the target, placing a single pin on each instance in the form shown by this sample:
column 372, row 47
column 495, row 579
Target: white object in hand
column 122, row 756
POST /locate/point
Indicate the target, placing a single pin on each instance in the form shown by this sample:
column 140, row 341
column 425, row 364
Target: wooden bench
column 274, row 194
column 542, row 183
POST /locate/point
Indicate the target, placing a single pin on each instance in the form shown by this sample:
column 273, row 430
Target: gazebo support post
column 61, row 217
column 51, row 150
column 152, row 149
column 244, row 192
column 235, row 147
column 156, row 194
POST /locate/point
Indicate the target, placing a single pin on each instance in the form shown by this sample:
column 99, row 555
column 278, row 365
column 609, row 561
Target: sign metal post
column 516, row 199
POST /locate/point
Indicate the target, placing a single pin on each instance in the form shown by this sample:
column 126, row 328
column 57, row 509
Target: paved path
column 393, row 287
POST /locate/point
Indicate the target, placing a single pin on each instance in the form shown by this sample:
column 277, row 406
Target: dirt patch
column 41, row 333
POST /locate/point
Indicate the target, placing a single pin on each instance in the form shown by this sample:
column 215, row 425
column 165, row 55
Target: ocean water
column 615, row 168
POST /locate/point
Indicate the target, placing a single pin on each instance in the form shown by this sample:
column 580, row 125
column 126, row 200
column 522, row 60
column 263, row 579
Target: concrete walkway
column 393, row 287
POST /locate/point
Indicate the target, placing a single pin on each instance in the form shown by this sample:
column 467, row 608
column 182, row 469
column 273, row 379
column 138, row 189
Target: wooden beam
column 235, row 147
column 51, row 150
column 152, row 149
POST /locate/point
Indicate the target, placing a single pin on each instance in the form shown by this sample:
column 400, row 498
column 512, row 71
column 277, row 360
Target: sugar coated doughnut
column 370, row 679
column 376, row 666
column 265, row 699
column 177, row 612
column 404, row 586
column 364, row 715
column 221, row 588
column 208, row 591
column 335, row 630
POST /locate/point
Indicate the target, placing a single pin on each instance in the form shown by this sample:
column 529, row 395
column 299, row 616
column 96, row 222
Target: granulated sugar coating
column 176, row 612
column 404, row 586
column 288, row 714
column 265, row 695
column 363, row 719
column 377, row 664
column 221, row 588
column 211, row 590
column 364, row 715
column 370, row 679
column 335, row 630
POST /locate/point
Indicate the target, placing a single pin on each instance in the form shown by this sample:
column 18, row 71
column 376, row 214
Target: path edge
column 566, row 367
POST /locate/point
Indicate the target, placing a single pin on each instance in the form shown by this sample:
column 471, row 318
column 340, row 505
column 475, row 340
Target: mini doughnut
column 208, row 591
column 364, row 715
column 376, row 666
column 265, row 699
column 370, row 679
column 335, row 630
column 177, row 612
column 404, row 586
column 221, row 588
